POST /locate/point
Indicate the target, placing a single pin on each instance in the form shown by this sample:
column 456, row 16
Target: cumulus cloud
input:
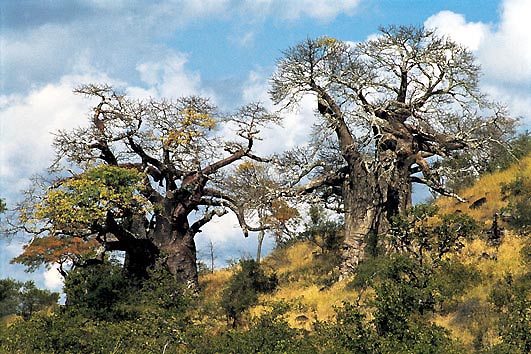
column 504, row 52
column 228, row 241
column 506, row 55
column 169, row 78
column 52, row 279
column 455, row 26
column 296, row 124
column 40, row 42
column 28, row 122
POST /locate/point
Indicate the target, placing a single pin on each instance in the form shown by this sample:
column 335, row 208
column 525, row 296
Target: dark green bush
column 243, row 289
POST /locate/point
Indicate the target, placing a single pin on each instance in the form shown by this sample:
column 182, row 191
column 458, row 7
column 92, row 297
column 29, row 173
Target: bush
column 243, row 289
column 269, row 333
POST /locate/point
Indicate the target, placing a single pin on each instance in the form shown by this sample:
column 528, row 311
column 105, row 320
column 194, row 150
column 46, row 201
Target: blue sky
column 224, row 49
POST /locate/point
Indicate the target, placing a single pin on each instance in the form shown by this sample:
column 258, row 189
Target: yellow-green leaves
column 193, row 124
column 70, row 209
column 326, row 41
column 88, row 199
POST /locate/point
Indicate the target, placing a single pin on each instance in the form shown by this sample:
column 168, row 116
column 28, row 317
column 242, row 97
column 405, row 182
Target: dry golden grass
column 212, row 284
column 493, row 262
column 295, row 267
column 489, row 187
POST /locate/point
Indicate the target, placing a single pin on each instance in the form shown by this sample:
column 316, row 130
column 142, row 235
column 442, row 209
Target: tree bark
column 179, row 256
column 359, row 213
column 372, row 196
column 140, row 256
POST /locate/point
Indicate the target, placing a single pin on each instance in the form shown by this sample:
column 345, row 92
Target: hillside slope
column 307, row 278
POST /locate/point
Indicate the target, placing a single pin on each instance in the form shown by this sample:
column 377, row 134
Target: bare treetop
column 392, row 109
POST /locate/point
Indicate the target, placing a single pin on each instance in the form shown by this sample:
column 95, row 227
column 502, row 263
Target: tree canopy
column 144, row 178
column 391, row 109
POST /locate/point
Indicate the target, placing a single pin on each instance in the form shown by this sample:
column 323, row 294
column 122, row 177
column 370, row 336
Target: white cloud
column 296, row 124
column 169, row 78
column 455, row 26
column 506, row 54
column 503, row 51
column 53, row 280
column 29, row 121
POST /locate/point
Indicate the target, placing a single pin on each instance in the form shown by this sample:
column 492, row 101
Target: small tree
column 510, row 297
column 243, row 289
column 323, row 231
column 258, row 186
column 24, row 299
column 517, row 193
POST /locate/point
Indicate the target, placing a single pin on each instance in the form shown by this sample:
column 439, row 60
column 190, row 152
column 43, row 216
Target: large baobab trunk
column 371, row 198
column 175, row 242
column 359, row 215
column 180, row 259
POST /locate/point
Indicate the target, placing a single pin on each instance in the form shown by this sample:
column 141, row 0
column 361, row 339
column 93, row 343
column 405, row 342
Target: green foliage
column 244, row 287
column 353, row 333
column 79, row 202
column 24, row 299
column 419, row 277
column 64, row 333
column 269, row 333
column 106, row 313
column 518, row 195
column 98, row 291
column 322, row 231
column 417, row 280
column 9, row 296
column 350, row 333
column 510, row 296
column 75, row 205
column 104, row 292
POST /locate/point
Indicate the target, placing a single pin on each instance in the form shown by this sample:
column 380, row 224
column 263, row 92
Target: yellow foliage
column 246, row 165
column 193, row 124
column 73, row 206
column 326, row 41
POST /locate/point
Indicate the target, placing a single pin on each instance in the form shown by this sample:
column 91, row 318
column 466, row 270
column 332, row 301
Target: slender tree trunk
column 261, row 235
column 212, row 257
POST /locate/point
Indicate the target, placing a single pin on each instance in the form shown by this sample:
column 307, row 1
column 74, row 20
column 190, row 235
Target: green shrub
column 243, row 289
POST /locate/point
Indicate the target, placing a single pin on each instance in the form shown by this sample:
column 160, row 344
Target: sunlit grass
column 296, row 268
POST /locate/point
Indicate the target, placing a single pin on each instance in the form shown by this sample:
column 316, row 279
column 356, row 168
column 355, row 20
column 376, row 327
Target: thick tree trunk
column 372, row 196
column 179, row 256
column 170, row 245
column 359, row 215
column 175, row 241
column 140, row 256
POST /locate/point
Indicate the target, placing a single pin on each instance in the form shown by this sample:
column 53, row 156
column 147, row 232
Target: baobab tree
column 391, row 108
column 145, row 177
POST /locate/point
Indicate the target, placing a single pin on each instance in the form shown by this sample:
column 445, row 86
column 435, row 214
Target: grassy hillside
column 306, row 278
column 444, row 292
